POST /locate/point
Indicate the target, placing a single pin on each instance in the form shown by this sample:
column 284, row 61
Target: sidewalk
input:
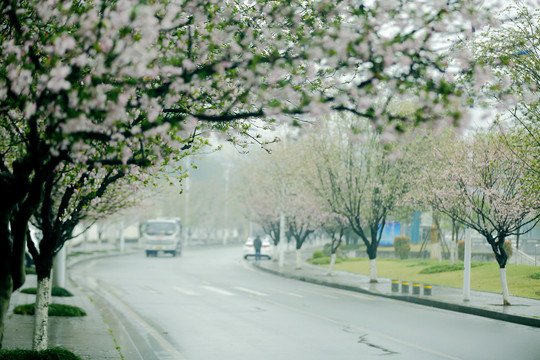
column 89, row 337
column 524, row 311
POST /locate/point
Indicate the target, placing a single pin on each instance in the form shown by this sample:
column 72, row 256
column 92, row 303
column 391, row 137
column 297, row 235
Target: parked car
column 266, row 248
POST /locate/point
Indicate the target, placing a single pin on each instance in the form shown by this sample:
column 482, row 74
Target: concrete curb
column 521, row 320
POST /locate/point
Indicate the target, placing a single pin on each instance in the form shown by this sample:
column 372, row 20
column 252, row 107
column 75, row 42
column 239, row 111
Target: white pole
column 186, row 208
column 281, row 239
column 467, row 265
column 122, row 241
column 59, row 268
column 226, row 210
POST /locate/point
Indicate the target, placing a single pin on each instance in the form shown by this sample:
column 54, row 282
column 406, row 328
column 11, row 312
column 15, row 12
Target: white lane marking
column 218, row 291
column 351, row 294
column 249, row 291
column 287, row 293
column 185, row 291
column 150, row 290
column 319, row 294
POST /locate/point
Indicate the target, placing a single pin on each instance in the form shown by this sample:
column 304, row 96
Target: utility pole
column 226, row 207
column 186, row 205
column 467, row 265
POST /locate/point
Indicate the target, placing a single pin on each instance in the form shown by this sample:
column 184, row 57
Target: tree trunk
column 298, row 259
column 504, row 286
column 41, row 314
column 6, row 288
column 275, row 253
column 332, row 263
column 373, row 270
column 6, row 278
column 453, row 243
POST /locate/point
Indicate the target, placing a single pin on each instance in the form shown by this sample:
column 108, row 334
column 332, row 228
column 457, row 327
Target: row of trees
column 487, row 181
column 346, row 176
column 97, row 96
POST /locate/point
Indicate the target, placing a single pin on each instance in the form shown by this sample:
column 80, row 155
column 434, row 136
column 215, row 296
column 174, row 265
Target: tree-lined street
column 365, row 115
column 211, row 304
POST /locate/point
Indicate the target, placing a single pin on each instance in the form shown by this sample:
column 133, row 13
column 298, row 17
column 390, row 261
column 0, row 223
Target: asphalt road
column 210, row 304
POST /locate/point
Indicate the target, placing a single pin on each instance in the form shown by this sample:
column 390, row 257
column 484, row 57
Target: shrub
column 327, row 250
column 535, row 276
column 48, row 354
column 56, row 291
column 324, row 260
column 435, row 269
column 54, row 310
column 508, row 248
column 402, row 247
column 461, row 249
column 320, row 261
column 318, row 254
column 352, row 247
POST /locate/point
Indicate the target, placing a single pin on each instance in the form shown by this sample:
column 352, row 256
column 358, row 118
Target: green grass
column 54, row 310
column 56, row 291
column 522, row 280
column 48, row 354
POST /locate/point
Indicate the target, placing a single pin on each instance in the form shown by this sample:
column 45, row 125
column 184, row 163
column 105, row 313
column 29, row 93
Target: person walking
column 257, row 243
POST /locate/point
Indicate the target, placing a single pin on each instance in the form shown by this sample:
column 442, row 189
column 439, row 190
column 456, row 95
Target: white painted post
column 122, row 240
column 186, row 207
column 59, row 268
column 226, row 208
column 281, row 239
column 467, row 265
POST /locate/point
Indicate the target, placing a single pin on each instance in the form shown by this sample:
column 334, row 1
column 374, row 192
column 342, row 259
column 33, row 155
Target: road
column 211, row 304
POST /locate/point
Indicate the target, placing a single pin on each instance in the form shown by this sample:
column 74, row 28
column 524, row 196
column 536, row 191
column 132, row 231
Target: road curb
column 516, row 319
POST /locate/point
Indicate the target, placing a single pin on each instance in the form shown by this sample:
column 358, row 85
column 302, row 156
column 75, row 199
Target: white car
column 266, row 248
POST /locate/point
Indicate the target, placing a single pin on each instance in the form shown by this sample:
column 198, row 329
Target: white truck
column 162, row 235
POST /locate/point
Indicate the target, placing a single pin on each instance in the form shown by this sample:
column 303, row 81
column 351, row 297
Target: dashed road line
column 217, row 290
column 185, row 291
column 249, row 291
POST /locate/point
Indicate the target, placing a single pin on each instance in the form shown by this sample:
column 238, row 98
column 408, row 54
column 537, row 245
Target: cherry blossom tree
column 481, row 183
column 358, row 177
column 130, row 74
column 276, row 187
column 508, row 52
column 335, row 226
column 261, row 196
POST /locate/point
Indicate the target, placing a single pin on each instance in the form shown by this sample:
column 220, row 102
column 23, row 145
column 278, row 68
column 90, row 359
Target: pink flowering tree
column 130, row 75
column 334, row 226
column 482, row 183
column 276, row 187
column 261, row 195
column 509, row 54
column 356, row 174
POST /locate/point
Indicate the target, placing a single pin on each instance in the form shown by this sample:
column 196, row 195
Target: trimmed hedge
column 324, row 260
column 435, row 269
column 56, row 291
column 402, row 247
column 54, row 310
column 47, row 354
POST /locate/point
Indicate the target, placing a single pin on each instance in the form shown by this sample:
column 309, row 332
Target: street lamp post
column 467, row 266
